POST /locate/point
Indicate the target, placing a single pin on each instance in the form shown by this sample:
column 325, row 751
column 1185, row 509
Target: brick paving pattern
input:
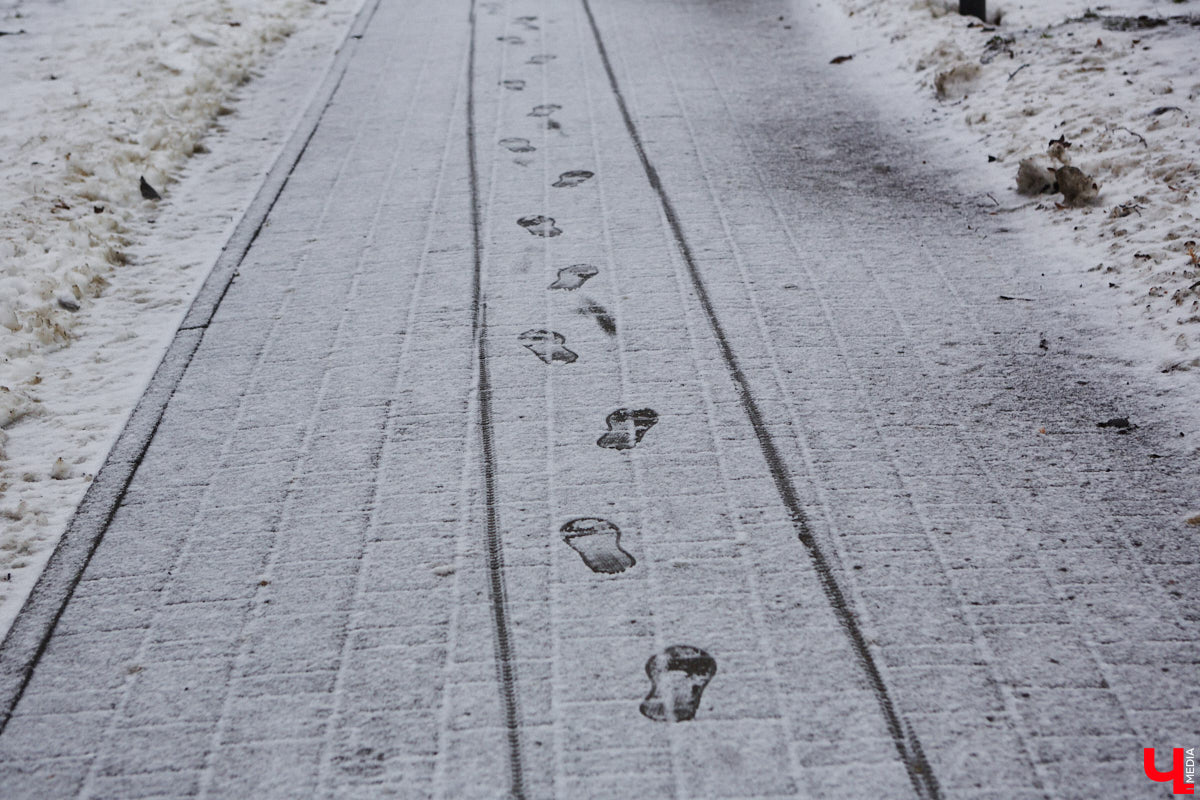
column 295, row 597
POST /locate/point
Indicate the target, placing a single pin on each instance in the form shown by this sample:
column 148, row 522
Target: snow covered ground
column 1109, row 89
column 197, row 96
column 94, row 278
column 855, row 492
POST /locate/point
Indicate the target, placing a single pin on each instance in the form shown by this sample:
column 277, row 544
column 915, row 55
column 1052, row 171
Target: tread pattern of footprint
column 626, row 428
column 544, row 110
column 598, row 543
column 513, row 84
column 571, row 179
column 678, row 676
column 572, row 277
column 516, row 144
column 548, row 346
column 541, row 58
column 540, row 226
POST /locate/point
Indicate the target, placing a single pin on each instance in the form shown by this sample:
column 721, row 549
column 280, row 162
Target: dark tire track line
column 501, row 629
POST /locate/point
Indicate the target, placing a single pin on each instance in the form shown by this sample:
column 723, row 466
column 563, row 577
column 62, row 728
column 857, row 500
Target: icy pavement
column 601, row 412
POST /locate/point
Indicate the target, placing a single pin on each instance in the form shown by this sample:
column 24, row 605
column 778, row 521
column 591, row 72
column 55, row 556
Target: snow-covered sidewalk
column 615, row 404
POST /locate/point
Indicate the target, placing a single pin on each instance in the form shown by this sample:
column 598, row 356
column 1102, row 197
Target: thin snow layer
column 96, row 96
column 1111, row 91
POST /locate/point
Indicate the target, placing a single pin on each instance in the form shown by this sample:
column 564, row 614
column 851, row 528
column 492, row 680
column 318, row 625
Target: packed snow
column 1092, row 109
column 193, row 97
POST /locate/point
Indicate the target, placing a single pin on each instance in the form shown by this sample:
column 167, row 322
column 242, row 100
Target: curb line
column 35, row 623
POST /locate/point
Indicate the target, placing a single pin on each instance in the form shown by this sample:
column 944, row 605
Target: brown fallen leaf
column 1194, row 520
column 841, row 59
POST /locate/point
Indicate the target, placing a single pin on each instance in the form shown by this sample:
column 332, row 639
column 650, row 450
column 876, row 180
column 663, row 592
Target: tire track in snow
column 501, row 631
column 907, row 745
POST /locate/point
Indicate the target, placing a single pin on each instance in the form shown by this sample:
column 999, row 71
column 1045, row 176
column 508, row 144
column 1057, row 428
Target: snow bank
column 1057, row 85
column 94, row 277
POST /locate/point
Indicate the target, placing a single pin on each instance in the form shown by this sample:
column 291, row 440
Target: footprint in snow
column 545, row 111
column 540, row 226
column 517, row 145
column 572, row 178
column 572, row 277
column 678, row 676
column 626, row 428
column 527, row 23
column 598, row 543
column 514, row 84
column 592, row 309
column 541, row 58
column 510, row 39
column 548, row 346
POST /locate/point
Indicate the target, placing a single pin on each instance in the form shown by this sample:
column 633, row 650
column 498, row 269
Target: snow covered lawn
column 195, row 96
column 1108, row 89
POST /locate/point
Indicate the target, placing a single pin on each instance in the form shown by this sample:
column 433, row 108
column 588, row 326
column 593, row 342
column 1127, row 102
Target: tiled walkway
column 684, row 398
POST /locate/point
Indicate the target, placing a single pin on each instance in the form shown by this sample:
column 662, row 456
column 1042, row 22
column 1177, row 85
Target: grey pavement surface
column 761, row 508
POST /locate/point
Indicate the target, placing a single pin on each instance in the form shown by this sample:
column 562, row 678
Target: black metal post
column 974, row 8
